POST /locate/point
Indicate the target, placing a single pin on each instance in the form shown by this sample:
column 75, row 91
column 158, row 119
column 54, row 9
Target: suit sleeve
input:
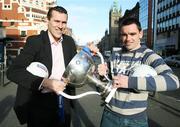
column 17, row 72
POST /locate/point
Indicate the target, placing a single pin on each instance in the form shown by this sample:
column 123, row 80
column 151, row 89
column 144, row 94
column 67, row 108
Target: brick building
column 18, row 20
column 22, row 18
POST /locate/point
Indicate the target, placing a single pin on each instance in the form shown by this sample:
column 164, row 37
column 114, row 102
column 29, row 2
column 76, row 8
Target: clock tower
column 114, row 15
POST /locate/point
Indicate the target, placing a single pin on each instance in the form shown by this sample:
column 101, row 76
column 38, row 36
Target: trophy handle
column 113, row 90
column 78, row 96
column 111, row 94
column 102, row 61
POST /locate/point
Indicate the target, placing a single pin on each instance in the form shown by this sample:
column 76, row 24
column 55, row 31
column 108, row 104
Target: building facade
column 104, row 44
column 22, row 18
column 110, row 38
column 160, row 20
column 18, row 20
column 146, row 18
column 168, row 27
column 114, row 15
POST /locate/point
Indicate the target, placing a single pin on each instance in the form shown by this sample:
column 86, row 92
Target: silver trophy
column 81, row 71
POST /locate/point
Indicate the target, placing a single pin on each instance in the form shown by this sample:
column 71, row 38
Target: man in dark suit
column 34, row 105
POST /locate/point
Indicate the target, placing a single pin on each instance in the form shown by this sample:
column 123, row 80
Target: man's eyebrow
column 64, row 21
column 60, row 21
column 133, row 33
column 130, row 33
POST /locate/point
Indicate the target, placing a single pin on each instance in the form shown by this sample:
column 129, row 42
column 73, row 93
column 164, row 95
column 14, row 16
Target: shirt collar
column 52, row 40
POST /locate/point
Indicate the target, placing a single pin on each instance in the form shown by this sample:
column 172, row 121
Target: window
column 7, row 7
column 37, row 3
column 166, row 23
column 21, row 10
column 115, row 21
column 168, row 13
column 171, row 10
column 174, row 21
column 170, row 22
column 42, row 4
column 27, row 15
column 12, row 23
column 163, row 25
column 23, row 33
column 178, row 20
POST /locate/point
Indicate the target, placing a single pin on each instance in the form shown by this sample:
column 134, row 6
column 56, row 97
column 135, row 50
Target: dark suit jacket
column 36, row 49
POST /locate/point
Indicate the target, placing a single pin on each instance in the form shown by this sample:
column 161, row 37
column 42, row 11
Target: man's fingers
column 65, row 80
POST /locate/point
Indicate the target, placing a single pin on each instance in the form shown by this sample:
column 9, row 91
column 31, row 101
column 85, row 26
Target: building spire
column 115, row 6
column 120, row 9
column 115, row 9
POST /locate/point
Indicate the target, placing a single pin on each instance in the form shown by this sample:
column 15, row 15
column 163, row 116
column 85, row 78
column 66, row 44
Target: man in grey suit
column 34, row 105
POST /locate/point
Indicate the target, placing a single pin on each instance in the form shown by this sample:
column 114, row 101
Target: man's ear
column 46, row 21
column 141, row 34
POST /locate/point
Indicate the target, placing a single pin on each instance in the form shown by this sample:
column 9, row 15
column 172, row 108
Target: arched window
column 21, row 9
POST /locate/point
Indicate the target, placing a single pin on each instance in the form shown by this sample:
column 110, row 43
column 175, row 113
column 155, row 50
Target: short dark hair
column 56, row 8
column 129, row 21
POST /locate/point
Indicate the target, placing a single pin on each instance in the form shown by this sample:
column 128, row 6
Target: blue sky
column 89, row 18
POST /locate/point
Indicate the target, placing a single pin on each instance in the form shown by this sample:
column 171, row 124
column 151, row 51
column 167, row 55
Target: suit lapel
column 65, row 51
column 47, row 51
